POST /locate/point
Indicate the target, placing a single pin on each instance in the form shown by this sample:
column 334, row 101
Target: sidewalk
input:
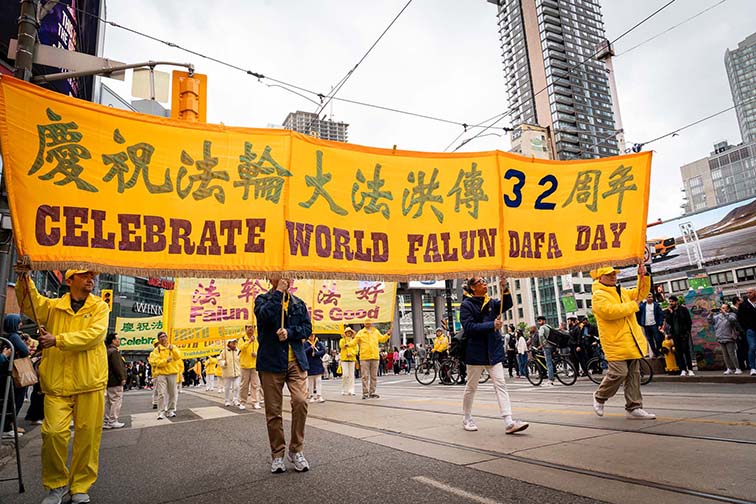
column 706, row 377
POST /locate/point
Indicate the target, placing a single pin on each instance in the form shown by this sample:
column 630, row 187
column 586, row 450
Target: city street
column 409, row 445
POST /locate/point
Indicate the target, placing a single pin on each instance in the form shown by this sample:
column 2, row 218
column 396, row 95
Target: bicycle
column 598, row 365
column 563, row 369
column 448, row 371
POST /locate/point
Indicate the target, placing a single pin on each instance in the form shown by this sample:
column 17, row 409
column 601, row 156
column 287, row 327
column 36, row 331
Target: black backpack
column 558, row 337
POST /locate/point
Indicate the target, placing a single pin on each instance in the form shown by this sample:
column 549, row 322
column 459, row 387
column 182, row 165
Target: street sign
column 648, row 254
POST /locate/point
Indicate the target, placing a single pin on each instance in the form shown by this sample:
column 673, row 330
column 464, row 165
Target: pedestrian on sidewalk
column 522, row 354
column 547, row 346
column 725, row 324
column 210, row 365
column 314, row 350
column 742, row 343
column 347, row 359
column 481, row 319
column 670, row 359
column 747, row 320
column 368, row 338
column 651, row 318
column 73, row 375
column 679, row 325
column 622, row 339
column 165, row 361
column 250, row 379
column 11, row 328
column 231, row 366
column 116, row 381
column 284, row 323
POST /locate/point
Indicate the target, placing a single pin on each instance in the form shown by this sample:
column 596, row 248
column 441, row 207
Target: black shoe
column 364, row 396
column 154, row 406
column 374, row 396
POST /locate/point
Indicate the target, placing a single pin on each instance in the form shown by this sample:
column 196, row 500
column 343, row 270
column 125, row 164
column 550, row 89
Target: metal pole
column 27, row 39
column 449, row 309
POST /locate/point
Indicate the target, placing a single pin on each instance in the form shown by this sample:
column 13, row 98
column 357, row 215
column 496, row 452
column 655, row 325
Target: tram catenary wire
column 667, row 487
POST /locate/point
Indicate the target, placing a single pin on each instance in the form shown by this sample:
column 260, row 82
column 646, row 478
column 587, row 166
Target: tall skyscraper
column 310, row 124
column 741, row 71
column 544, row 44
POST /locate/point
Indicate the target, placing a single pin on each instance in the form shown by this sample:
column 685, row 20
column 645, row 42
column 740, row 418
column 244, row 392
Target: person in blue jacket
column 481, row 319
column 283, row 324
column 315, row 351
column 11, row 327
column 651, row 319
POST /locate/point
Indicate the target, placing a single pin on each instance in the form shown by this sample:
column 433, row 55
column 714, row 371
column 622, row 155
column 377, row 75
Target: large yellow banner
column 99, row 188
column 217, row 308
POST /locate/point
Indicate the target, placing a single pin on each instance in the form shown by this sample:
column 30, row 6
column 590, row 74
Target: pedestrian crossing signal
column 107, row 296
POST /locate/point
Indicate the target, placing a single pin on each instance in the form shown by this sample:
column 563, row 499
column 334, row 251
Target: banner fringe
column 318, row 275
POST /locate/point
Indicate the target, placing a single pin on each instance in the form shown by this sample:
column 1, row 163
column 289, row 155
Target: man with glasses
column 481, row 319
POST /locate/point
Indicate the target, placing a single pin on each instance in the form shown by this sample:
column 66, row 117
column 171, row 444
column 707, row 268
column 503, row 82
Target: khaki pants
column 113, row 402
column 295, row 379
column 166, row 387
column 369, row 370
column 622, row 372
column 250, row 380
column 86, row 410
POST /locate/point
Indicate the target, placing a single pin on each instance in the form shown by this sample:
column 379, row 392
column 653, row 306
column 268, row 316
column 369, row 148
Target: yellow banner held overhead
column 93, row 187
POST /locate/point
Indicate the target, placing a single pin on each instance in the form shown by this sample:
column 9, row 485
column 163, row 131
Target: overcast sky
column 441, row 58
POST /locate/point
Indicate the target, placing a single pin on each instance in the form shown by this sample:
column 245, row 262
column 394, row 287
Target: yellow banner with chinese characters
column 139, row 334
column 99, row 188
column 218, row 308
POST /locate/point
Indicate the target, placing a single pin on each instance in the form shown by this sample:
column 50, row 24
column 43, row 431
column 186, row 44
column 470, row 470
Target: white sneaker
column 257, row 405
column 551, row 384
column 690, row 373
column 727, row 372
column 242, row 407
column 227, row 404
column 517, row 426
column 320, row 399
column 107, row 426
column 311, row 399
column 80, row 498
column 469, row 425
column 639, row 414
column 738, row 371
column 9, row 434
column 299, row 461
column 117, row 425
column 278, row 465
column 161, row 416
column 171, row 414
column 753, row 372
column 598, row 407
column 683, row 373
column 56, row 496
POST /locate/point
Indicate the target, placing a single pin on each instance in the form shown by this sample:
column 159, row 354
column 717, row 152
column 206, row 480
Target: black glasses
column 479, row 280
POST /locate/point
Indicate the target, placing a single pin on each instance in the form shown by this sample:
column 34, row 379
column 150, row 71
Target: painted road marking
column 454, row 490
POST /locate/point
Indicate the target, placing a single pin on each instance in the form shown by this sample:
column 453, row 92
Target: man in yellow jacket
column 166, row 363
column 250, row 380
column 73, row 374
column 622, row 339
column 368, row 338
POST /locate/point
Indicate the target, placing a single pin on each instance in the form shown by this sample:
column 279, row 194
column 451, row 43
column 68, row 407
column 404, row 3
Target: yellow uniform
column 73, row 375
column 441, row 344
column 368, row 340
column 248, row 352
column 348, row 347
column 670, row 363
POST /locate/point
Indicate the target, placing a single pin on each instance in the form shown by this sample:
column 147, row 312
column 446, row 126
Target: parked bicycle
column 448, row 371
column 563, row 370
column 597, row 367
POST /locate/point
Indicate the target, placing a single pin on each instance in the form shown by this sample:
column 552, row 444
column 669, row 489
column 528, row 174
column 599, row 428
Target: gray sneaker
column 278, row 465
column 79, row 498
column 56, row 496
column 299, row 461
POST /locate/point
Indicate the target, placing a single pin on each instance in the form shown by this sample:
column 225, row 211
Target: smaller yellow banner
column 138, row 333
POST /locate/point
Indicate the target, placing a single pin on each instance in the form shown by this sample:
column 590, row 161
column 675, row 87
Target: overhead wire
column 344, row 79
column 286, row 86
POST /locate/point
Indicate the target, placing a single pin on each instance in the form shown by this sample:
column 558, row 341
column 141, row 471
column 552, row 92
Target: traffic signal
column 189, row 96
column 107, row 296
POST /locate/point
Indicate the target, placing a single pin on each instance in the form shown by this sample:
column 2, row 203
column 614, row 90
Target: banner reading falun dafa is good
column 99, row 188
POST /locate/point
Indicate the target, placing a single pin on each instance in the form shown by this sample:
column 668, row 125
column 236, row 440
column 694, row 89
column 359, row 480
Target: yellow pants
column 86, row 410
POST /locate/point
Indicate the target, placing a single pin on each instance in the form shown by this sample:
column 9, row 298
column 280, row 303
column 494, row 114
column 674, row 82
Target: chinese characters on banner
column 105, row 189
column 140, row 333
column 218, row 308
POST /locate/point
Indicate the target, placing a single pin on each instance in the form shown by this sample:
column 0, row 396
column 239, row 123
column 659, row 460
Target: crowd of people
column 83, row 376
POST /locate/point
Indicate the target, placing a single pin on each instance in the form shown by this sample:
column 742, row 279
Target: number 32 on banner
column 515, row 200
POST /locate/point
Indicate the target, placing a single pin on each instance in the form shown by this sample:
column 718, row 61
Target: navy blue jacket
column 658, row 314
column 273, row 355
column 315, row 359
column 485, row 345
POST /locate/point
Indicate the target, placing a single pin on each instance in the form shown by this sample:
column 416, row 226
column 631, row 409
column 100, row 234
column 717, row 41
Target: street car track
column 550, row 465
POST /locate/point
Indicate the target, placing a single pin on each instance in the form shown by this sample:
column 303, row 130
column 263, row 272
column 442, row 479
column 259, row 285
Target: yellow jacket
column 248, row 352
column 79, row 360
column 210, row 364
column 441, row 343
column 161, row 365
column 180, row 371
column 229, row 363
column 348, row 349
column 218, row 369
column 368, row 340
column 197, row 368
column 621, row 336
